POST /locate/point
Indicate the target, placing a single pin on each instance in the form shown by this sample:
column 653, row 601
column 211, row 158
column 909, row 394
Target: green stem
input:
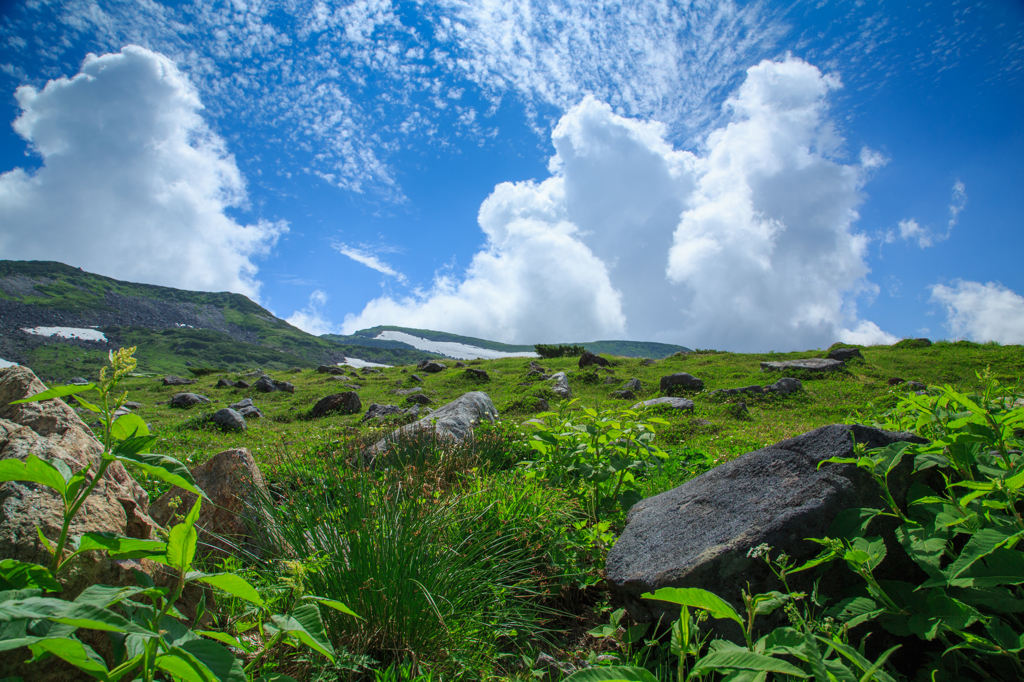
column 69, row 515
column 267, row 647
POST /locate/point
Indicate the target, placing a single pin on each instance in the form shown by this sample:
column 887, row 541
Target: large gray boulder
column 809, row 365
column 228, row 419
column 680, row 381
column 844, row 354
column 560, row 386
column 430, row 366
column 267, row 385
column 589, row 358
column 454, row 421
column 699, row 534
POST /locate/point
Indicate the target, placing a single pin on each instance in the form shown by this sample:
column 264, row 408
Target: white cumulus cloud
column 982, row 312
column 133, row 184
column 750, row 246
column 311, row 318
column 911, row 230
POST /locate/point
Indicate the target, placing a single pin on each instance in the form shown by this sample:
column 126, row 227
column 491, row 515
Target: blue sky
column 745, row 176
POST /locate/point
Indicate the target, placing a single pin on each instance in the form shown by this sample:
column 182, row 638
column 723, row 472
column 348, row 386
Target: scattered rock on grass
column 454, row 421
column 844, row 354
column 623, row 395
column 345, row 403
column 478, row 374
column 589, row 358
column 188, row 400
column 675, row 403
column 267, row 385
column 228, row 419
column 810, row 365
column 376, row 411
column 784, row 386
column 560, row 386
column 171, row 380
column 680, row 381
column 418, row 398
column 330, row 369
column 631, row 385
column 430, row 366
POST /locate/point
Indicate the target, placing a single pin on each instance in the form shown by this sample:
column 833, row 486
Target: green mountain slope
column 174, row 329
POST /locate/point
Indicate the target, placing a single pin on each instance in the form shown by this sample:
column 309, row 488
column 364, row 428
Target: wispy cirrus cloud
column 365, row 257
column 912, row 231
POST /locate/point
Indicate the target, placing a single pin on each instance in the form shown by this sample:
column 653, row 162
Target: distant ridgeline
column 175, row 330
column 61, row 321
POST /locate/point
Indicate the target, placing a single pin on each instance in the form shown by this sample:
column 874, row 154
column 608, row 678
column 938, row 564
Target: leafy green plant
column 596, row 453
column 148, row 638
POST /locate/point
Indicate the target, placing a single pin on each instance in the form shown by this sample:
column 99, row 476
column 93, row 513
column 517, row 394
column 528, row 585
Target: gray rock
column 407, row 391
column 418, row 398
column 228, row 419
column 477, row 374
column 430, row 366
column 245, row 402
column 416, row 377
column 188, row 400
column 376, row 411
column 224, row 383
column 608, row 381
column 241, row 384
column 632, row 385
column 623, row 395
column 345, row 403
column 132, row 405
column 916, row 386
column 267, row 385
column 560, row 386
column 250, row 412
column 676, row 403
column 753, row 390
column 699, row 534
column 330, row 369
column 171, row 380
column 680, row 381
column 844, row 354
column 454, row 421
column 460, row 364
column 369, row 370
column 785, row 386
column 542, row 405
column 534, row 367
column 534, row 373
column 78, row 381
column 589, row 358
column 810, row 365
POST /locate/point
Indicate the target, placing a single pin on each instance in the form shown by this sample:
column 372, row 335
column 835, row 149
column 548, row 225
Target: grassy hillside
column 463, row 560
column 175, row 329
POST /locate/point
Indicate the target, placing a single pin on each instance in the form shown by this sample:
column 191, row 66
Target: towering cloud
column 748, row 246
column 982, row 312
column 133, row 184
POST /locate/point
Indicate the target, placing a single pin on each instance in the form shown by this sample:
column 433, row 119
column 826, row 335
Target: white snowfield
column 7, row 363
column 459, row 351
column 357, row 363
column 68, row 333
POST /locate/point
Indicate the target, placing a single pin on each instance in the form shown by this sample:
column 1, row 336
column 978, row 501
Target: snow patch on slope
column 452, row 349
column 68, row 333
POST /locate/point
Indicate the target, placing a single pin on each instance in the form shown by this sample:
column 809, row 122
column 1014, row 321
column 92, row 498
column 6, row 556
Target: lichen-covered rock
column 231, row 521
column 675, row 403
column 228, row 419
column 188, row 400
column 808, row 365
column 560, row 386
column 172, row 380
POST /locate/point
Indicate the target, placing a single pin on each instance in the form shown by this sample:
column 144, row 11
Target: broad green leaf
column 129, row 426
column 1002, row 567
column 134, row 446
column 20, row 575
column 852, row 523
column 182, row 665
column 336, row 605
column 119, row 546
column 218, row 660
column 981, row 544
column 58, row 392
column 233, row 584
column 33, row 470
column 165, row 468
column 105, row 596
column 856, row 610
column 859, row 660
column 225, row 638
column 75, row 653
column 696, row 598
column 86, row 404
column 925, row 546
column 745, row 660
column 182, row 540
column 69, row 613
column 304, row 624
column 612, row 674
column 812, row 655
